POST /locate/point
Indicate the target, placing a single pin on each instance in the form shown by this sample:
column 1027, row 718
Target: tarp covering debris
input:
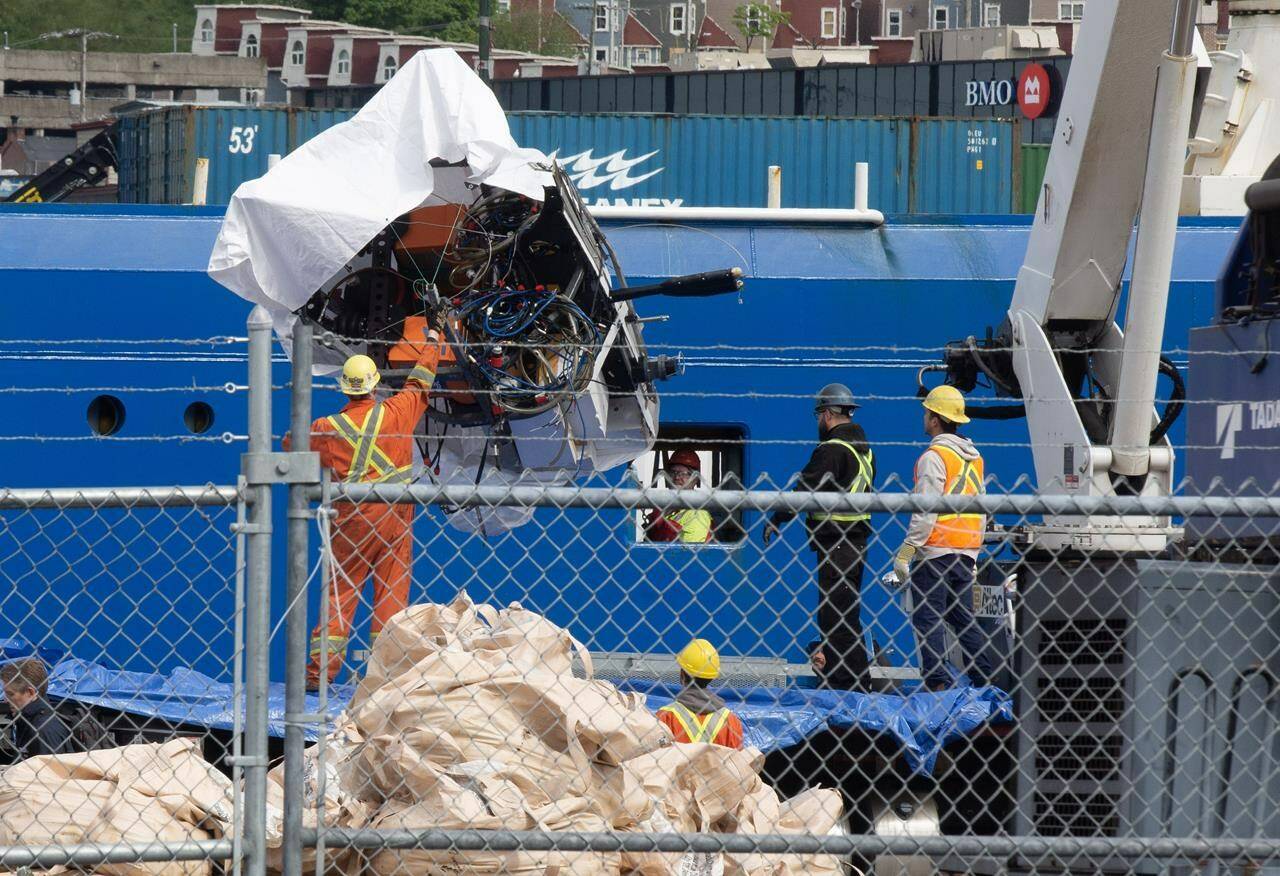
column 773, row 718
column 288, row 232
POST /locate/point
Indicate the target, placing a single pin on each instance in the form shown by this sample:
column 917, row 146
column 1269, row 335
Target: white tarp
column 287, row 233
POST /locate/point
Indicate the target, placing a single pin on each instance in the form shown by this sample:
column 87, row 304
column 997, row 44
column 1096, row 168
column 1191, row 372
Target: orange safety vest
column 704, row 728
column 964, row 478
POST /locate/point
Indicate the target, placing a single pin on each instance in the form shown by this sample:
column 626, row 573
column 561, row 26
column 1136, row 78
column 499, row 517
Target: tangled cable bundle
column 545, row 346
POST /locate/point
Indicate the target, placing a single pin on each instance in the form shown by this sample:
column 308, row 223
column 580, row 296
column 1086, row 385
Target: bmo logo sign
column 1032, row 91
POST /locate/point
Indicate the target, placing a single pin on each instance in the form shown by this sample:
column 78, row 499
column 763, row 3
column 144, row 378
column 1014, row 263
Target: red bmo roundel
column 1033, row 91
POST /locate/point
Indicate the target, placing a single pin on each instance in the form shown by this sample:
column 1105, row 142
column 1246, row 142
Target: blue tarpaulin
column 922, row 722
column 772, row 718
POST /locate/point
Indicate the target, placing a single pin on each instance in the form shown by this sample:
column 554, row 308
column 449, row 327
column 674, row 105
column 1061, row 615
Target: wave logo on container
column 589, row 172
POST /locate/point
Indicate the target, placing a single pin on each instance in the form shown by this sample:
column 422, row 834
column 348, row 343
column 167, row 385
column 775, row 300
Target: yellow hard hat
column 359, row 376
column 947, row 402
column 699, row 659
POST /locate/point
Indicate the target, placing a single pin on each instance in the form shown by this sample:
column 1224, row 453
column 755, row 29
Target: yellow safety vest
column 698, row 729
column 694, row 523
column 367, row 457
column 861, row 484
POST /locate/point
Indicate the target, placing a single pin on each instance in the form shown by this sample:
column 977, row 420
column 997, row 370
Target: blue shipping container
column 916, row 165
column 158, row 150
column 963, row 166
column 707, row 161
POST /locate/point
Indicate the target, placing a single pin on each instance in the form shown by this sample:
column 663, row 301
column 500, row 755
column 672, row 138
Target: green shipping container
column 1035, row 158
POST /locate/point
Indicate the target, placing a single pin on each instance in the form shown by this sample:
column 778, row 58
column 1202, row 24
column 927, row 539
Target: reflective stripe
column 336, row 644
column 861, row 484
column 694, row 523
column 422, row 375
column 708, row 727
column 366, row 452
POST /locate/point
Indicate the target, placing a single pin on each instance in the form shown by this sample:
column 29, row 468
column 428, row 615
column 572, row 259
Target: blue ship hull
column 105, row 300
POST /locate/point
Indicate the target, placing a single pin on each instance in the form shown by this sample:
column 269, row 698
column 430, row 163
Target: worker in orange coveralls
column 369, row 441
column 697, row 714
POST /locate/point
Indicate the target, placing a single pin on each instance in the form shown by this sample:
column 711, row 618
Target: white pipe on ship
column 741, row 214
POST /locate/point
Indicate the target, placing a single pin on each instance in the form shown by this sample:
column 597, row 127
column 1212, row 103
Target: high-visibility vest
column 964, row 478
column 368, row 461
column 861, row 484
column 694, row 523
column 704, row 728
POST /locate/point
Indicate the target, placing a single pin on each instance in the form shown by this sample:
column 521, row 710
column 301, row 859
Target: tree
column 540, row 31
column 758, row 20
column 443, row 19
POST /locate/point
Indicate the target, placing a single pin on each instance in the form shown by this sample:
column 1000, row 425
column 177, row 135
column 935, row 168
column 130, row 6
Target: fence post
column 295, row 655
column 258, row 599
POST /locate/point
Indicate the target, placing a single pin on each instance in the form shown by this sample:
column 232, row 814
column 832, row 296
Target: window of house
column 894, row 27
column 940, row 18
column 344, row 63
column 641, row 56
column 601, row 53
column 1071, row 11
column 719, row 450
column 252, row 96
column 753, row 18
column 296, row 54
column 678, row 12
column 251, row 46
column 389, row 66
column 991, row 14
column 504, row 5
column 602, row 18
column 828, row 23
column 206, row 31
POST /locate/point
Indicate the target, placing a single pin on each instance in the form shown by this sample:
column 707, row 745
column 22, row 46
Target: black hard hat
column 835, row 395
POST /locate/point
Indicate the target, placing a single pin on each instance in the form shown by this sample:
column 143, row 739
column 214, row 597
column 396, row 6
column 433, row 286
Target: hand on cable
column 771, row 531
column 902, row 563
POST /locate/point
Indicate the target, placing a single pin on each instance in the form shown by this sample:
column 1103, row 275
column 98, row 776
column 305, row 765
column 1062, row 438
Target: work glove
column 771, row 531
column 902, row 563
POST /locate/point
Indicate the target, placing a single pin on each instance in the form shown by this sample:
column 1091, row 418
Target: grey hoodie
column 931, row 480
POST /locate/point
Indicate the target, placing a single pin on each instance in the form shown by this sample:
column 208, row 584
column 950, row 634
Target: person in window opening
column 684, row 525
column 842, row 462
column 697, row 714
column 945, row 545
column 36, row 730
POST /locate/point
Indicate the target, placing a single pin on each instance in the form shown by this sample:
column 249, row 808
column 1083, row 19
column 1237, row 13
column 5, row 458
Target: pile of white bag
column 471, row 717
column 138, row 793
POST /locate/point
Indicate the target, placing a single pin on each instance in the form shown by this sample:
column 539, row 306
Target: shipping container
column 963, row 166
column 916, row 165
column 158, row 149
column 1035, row 158
column 723, row 162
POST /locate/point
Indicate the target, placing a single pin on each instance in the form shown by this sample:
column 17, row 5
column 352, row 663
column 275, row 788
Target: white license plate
column 989, row 601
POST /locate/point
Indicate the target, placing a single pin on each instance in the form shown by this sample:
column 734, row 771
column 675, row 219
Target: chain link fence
column 484, row 678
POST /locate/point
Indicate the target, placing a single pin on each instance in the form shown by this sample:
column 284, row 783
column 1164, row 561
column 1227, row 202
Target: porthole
column 198, row 417
column 105, row 415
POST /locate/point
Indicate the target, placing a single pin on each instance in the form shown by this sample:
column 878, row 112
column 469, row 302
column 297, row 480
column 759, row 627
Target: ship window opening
column 198, row 417
column 720, row 457
column 105, row 415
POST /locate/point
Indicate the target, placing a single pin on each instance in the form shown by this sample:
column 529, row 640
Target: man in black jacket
column 36, row 728
column 842, row 462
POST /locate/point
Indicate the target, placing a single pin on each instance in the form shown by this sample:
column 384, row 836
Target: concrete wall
column 121, row 68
